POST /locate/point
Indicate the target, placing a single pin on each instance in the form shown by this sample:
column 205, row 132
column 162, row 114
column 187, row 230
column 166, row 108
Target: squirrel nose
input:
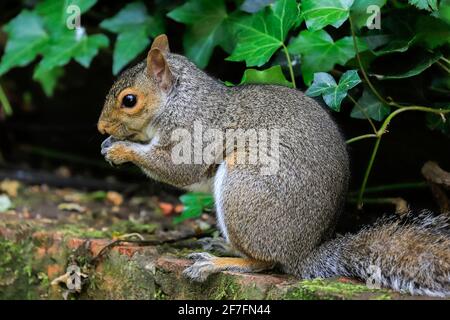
column 101, row 126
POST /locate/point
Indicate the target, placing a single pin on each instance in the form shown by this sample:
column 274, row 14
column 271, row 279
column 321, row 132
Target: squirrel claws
column 202, row 268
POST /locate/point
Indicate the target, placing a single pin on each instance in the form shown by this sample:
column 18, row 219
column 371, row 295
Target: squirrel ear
column 162, row 43
column 158, row 69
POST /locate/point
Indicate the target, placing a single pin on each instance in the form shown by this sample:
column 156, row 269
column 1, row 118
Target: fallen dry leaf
column 10, row 187
column 114, row 197
column 166, row 208
column 71, row 207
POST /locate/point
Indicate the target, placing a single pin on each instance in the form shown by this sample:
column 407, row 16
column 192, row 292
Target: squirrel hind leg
column 206, row 264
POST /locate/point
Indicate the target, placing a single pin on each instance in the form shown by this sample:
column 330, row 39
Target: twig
column 401, row 205
column 115, row 243
column 432, row 172
column 438, row 180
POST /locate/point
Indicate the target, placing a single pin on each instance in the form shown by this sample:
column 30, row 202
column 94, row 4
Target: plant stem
column 383, row 127
column 364, row 136
column 367, row 173
column 379, row 135
column 5, row 102
column 445, row 60
column 358, row 57
column 386, row 122
column 443, row 66
column 364, row 112
column 395, row 186
column 291, row 69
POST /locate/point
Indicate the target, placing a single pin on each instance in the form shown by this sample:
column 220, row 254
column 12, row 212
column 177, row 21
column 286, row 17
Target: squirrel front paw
column 118, row 152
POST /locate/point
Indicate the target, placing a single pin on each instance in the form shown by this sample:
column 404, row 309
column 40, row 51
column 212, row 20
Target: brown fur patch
column 251, row 264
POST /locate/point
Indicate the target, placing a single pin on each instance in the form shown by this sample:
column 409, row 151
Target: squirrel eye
column 129, row 101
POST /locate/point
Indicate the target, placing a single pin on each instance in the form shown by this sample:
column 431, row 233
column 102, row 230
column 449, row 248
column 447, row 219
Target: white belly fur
column 218, row 184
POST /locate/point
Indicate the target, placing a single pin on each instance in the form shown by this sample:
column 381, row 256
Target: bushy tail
column 410, row 254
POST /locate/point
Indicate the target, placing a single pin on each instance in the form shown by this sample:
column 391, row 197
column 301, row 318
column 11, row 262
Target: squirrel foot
column 206, row 264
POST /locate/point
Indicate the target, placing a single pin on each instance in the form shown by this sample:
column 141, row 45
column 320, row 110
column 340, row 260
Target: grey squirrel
column 285, row 218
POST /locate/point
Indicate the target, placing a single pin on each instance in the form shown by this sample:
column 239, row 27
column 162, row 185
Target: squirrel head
column 136, row 96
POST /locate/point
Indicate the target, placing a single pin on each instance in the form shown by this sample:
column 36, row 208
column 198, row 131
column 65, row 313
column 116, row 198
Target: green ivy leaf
column 371, row 106
column 70, row 44
column 272, row 75
column 395, row 45
column 88, row 48
column 444, row 11
column 194, row 204
column 321, row 13
column 55, row 13
column 320, row 53
column 358, row 11
column 253, row 6
column 26, row 37
column 134, row 27
column 419, row 63
column 262, row 34
column 429, row 5
column 207, row 21
column 432, row 32
column 49, row 80
column 332, row 93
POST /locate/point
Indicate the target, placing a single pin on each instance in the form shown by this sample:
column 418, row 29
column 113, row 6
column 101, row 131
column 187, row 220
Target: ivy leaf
column 432, row 32
column 88, row 48
column 371, row 106
column 272, row 75
column 253, row 6
column 207, row 23
column 419, row 63
column 194, row 204
column 320, row 53
column 134, row 27
column 70, row 44
column 444, row 11
column 429, row 5
column 332, row 93
column 65, row 43
column 49, row 80
column 261, row 34
column 321, row 13
column 395, row 45
column 56, row 13
column 26, row 37
column 358, row 11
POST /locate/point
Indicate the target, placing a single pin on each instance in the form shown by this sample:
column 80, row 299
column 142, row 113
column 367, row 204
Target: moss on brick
column 19, row 278
column 333, row 289
column 121, row 277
